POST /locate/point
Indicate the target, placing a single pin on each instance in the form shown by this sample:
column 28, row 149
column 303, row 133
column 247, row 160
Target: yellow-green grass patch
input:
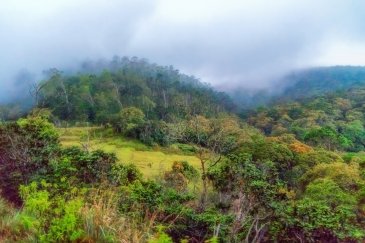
column 151, row 161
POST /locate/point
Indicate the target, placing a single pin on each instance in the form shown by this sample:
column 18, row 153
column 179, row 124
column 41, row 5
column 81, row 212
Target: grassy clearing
column 152, row 161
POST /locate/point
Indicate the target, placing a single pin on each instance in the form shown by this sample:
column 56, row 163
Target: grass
column 11, row 227
column 152, row 161
column 104, row 223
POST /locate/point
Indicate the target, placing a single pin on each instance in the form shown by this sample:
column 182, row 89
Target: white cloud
column 343, row 52
column 228, row 43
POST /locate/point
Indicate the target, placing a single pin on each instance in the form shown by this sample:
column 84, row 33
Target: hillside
column 334, row 120
column 303, row 84
column 318, row 81
column 161, row 93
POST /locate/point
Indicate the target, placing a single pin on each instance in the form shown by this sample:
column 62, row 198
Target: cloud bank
column 226, row 43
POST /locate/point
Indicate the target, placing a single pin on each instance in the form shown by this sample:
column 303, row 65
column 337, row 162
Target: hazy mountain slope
column 160, row 92
column 321, row 80
column 303, row 84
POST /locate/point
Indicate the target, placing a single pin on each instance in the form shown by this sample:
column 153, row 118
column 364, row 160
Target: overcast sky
column 227, row 43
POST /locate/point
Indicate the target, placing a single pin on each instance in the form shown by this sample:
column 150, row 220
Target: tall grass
column 11, row 228
column 103, row 221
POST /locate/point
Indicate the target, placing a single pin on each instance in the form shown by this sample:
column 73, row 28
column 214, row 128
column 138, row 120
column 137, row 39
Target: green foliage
column 347, row 176
column 175, row 208
column 326, row 205
column 186, row 148
column 159, row 92
column 154, row 132
column 256, row 184
column 152, row 196
column 128, row 119
column 12, row 228
column 51, row 219
column 318, row 156
column 181, row 173
column 26, row 147
column 333, row 121
column 328, row 138
column 124, row 174
column 161, row 237
column 212, row 240
column 186, row 169
column 90, row 167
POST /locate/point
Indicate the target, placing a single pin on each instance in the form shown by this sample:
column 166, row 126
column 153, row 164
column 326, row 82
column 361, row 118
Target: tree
column 355, row 132
column 57, row 93
column 326, row 206
column 128, row 119
column 328, row 138
column 347, row 176
column 180, row 175
column 251, row 190
column 214, row 137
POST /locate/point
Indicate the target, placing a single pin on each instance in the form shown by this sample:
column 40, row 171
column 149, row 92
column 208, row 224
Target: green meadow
column 152, row 161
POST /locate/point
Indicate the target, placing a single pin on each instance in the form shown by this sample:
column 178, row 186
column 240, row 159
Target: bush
column 51, row 219
column 26, row 147
column 124, row 174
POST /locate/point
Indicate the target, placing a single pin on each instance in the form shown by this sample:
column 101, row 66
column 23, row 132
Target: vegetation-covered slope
column 159, row 92
column 318, row 81
column 333, row 121
column 301, row 84
column 252, row 189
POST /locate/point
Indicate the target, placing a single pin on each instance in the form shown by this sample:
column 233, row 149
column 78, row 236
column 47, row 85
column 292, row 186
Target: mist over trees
column 159, row 92
column 300, row 84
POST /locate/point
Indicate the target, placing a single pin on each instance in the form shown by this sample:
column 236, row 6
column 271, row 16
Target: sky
column 230, row 44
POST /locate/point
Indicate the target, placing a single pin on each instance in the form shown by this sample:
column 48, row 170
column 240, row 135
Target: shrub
column 26, row 147
column 51, row 218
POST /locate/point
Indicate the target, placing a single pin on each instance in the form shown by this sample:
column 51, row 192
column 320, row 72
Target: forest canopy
column 161, row 93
